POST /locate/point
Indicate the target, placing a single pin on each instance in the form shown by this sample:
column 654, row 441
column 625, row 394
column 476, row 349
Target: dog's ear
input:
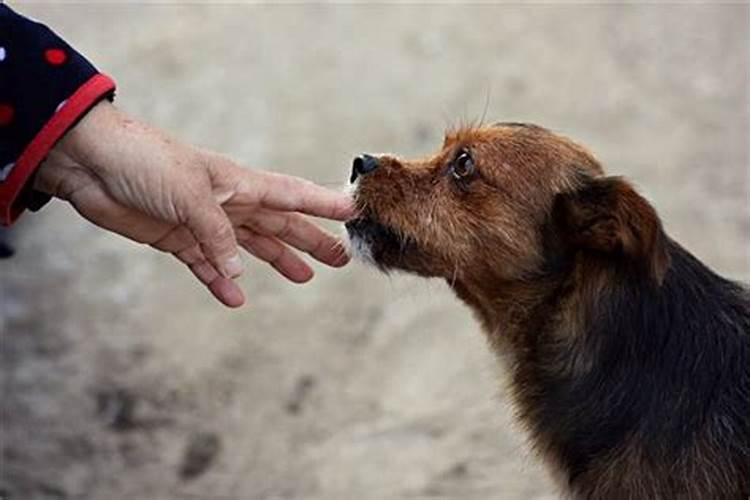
column 608, row 216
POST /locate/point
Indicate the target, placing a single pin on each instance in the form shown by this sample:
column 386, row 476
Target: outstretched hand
column 129, row 178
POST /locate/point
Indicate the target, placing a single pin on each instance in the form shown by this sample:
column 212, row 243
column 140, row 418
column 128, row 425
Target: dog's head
column 493, row 203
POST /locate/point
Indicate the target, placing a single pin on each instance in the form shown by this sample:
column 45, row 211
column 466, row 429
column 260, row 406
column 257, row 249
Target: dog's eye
column 463, row 166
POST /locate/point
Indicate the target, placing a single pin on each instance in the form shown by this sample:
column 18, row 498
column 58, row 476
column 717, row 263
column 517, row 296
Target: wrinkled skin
column 201, row 207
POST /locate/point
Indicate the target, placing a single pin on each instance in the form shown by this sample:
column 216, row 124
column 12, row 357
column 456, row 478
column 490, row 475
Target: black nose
column 363, row 165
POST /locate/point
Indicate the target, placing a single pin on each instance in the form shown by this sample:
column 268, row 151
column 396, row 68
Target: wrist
column 74, row 152
column 82, row 143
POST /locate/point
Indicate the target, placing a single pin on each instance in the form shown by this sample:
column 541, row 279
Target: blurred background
column 123, row 379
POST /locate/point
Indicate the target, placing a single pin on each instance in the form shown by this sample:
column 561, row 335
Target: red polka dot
column 55, row 57
column 6, row 114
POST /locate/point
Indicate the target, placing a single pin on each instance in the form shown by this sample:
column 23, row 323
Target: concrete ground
column 122, row 379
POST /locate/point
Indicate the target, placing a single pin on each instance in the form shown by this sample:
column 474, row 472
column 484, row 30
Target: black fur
column 670, row 365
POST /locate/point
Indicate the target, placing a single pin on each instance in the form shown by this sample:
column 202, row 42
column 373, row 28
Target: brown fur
column 539, row 243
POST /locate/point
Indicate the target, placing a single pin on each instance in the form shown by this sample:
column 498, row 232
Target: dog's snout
column 363, row 165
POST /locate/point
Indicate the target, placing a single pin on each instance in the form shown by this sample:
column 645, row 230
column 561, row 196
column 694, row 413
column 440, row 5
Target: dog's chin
column 375, row 243
column 385, row 248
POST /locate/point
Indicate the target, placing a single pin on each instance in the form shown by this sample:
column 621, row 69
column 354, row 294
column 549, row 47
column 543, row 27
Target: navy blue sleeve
column 45, row 88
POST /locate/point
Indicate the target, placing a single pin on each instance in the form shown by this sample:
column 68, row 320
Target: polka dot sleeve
column 45, row 88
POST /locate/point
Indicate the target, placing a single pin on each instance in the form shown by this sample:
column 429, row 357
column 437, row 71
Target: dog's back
column 663, row 409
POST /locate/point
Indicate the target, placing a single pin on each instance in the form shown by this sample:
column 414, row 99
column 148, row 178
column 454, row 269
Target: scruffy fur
column 630, row 359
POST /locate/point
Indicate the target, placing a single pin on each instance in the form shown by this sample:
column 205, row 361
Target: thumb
column 214, row 233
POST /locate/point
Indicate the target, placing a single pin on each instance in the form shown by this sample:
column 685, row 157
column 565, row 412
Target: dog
column 629, row 359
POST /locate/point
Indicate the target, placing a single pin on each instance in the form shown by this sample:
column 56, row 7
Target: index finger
column 293, row 194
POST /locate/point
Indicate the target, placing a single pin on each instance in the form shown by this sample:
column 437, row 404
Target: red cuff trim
column 78, row 104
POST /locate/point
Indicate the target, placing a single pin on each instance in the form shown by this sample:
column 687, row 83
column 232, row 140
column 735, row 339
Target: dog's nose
column 363, row 165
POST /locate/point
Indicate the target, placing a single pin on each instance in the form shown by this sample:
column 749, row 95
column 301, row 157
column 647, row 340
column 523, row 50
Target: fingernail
column 233, row 267
column 342, row 257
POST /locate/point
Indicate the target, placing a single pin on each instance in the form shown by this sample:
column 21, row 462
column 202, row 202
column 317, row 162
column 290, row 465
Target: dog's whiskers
column 455, row 274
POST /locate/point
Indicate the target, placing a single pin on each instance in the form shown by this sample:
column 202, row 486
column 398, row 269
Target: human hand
column 129, row 178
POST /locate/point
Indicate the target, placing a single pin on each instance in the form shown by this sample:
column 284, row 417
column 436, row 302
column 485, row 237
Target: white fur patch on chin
column 357, row 247
column 360, row 249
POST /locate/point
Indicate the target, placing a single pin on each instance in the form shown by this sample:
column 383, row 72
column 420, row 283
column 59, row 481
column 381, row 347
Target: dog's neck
column 597, row 350
column 513, row 312
column 541, row 327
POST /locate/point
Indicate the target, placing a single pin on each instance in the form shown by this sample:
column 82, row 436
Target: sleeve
column 45, row 88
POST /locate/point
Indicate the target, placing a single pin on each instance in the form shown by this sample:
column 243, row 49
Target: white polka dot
column 60, row 106
column 5, row 171
column 2, row 54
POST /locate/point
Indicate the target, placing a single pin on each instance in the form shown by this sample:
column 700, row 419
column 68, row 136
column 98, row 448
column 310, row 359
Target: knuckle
column 287, row 228
column 214, row 230
column 321, row 247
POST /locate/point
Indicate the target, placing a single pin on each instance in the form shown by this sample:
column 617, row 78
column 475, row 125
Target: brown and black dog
column 629, row 358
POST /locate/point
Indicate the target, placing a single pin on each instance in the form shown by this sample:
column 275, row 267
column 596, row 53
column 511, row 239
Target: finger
column 281, row 258
column 214, row 233
column 177, row 239
column 301, row 233
column 102, row 211
column 227, row 292
column 224, row 289
column 292, row 194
